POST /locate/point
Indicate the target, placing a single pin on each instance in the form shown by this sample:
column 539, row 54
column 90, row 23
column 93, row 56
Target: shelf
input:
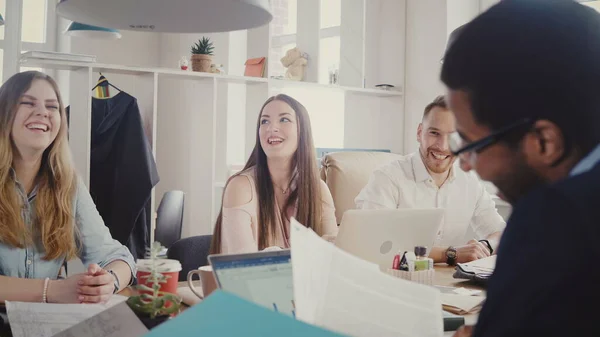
column 241, row 79
column 53, row 64
column 97, row 67
column 176, row 73
column 364, row 91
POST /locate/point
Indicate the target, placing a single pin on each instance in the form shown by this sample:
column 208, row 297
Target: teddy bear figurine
column 295, row 61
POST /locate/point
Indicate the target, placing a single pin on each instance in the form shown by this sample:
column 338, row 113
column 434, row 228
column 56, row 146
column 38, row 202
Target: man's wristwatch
column 451, row 256
column 117, row 284
column 487, row 243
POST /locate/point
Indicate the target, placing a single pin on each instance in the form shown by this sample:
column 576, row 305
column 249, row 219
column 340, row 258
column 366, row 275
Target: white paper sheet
column 457, row 290
column 47, row 319
column 341, row 292
column 117, row 321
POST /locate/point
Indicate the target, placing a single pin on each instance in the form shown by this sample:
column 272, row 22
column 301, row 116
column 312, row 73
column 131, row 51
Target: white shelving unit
column 181, row 74
column 185, row 113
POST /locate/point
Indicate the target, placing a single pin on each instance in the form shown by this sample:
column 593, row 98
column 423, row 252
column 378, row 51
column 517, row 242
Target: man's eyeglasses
column 459, row 147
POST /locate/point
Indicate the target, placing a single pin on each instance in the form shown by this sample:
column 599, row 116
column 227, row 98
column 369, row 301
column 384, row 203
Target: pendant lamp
column 77, row 29
column 169, row 16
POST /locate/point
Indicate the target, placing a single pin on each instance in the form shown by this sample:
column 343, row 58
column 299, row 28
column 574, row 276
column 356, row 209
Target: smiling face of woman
column 278, row 130
column 37, row 121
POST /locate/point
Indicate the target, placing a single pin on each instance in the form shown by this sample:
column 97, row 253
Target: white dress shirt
column 406, row 183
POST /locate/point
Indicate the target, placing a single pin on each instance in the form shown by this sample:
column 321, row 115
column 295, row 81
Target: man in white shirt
column 429, row 179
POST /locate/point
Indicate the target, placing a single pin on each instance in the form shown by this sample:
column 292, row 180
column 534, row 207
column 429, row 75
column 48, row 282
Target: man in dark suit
column 523, row 81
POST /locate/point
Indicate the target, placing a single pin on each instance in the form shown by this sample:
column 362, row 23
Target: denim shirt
column 95, row 244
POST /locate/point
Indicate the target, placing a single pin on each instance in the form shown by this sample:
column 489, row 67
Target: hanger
column 103, row 82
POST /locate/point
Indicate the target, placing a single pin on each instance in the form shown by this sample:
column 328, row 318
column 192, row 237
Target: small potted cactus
column 202, row 53
column 153, row 306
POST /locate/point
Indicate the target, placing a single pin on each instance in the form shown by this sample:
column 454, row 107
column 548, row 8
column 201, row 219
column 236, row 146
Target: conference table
column 443, row 277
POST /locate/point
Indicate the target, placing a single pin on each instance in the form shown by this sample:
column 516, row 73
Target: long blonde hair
column 307, row 194
column 56, row 180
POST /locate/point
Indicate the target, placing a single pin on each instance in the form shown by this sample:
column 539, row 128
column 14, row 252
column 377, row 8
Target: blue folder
column 225, row 314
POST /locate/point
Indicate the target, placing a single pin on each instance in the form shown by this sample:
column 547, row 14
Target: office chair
column 191, row 252
column 169, row 218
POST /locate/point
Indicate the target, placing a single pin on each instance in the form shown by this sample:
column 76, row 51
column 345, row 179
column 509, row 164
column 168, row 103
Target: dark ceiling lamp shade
column 169, row 16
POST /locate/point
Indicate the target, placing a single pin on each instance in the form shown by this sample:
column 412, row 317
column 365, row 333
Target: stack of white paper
column 46, row 320
column 341, row 292
column 482, row 267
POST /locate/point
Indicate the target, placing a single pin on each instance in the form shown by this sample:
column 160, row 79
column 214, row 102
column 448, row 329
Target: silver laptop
column 264, row 278
column 377, row 235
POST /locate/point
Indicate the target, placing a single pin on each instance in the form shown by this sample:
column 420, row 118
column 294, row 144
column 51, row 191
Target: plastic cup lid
column 162, row 265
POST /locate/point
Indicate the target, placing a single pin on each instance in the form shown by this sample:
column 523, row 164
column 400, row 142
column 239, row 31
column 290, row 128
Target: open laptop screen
column 264, row 278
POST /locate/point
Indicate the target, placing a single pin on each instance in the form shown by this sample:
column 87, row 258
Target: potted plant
column 153, row 306
column 202, row 53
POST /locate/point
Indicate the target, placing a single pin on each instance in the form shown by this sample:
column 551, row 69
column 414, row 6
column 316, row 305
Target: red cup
column 169, row 268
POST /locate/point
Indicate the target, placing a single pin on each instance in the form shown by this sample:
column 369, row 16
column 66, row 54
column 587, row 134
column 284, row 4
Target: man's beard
column 433, row 165
column 518, row 181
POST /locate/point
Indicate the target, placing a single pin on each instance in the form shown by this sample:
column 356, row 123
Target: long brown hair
column 56, row 180
column 307, row 194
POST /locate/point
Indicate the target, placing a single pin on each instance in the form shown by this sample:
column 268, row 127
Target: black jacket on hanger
column 123, row 170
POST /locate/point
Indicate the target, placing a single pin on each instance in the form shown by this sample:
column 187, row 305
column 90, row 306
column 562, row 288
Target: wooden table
column 443, row 277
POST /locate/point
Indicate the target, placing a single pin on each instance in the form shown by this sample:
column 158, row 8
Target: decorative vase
column 201, row 62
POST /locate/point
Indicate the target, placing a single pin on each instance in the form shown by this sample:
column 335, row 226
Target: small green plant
column 156, row 302
column 203, row 46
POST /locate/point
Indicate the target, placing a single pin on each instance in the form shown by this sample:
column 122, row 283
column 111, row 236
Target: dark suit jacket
column 123, row 171
column 547, row 277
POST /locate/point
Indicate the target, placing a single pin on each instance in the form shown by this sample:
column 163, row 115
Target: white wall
column 132, row 49
column 184, row 153
column 428, row 25
column 460, row 12
column 352, row 42
column 385, row 37
column 426, row 32
column 485, row 4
